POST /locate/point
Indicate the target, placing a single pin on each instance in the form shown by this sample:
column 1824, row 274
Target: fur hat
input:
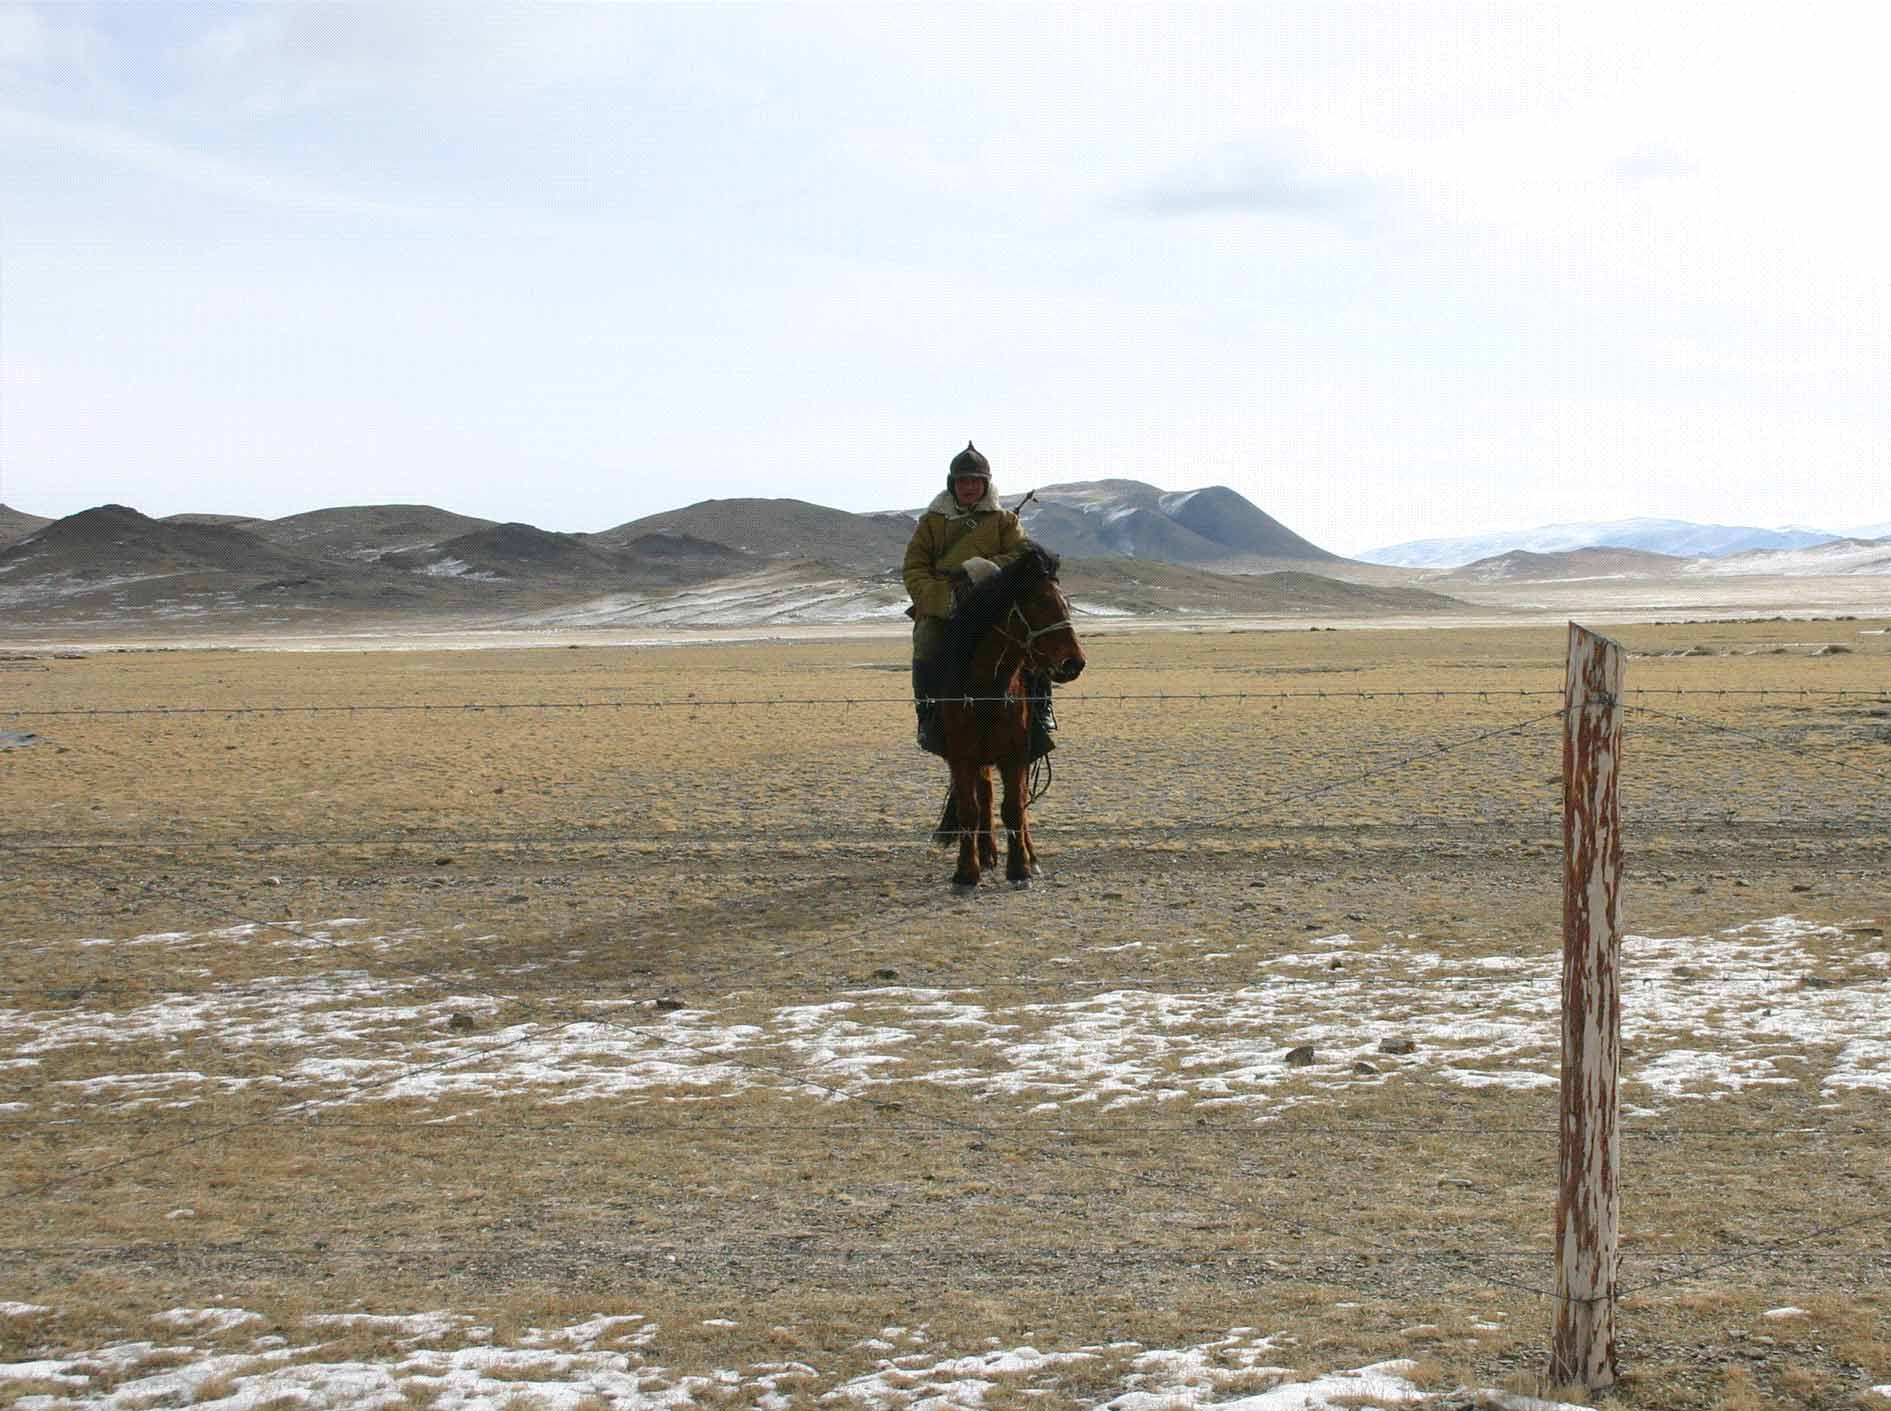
column 968, row 464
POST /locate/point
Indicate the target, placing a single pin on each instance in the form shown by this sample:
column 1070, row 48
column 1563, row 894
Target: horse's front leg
column 987, row 843
column 1017, row 835
column 965, row 785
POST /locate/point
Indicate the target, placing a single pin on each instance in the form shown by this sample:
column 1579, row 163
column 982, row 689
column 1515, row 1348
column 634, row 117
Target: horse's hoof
column 963, row 889
column 1020, row 884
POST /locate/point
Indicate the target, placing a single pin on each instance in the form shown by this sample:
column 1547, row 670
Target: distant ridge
column 1662, row 536
column 17, row 524
column 781, row 529
column 1570, row 565
column 366, row 531
column 237, row 521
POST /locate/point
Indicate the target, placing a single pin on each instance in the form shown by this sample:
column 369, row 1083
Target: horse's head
column 1050, row 642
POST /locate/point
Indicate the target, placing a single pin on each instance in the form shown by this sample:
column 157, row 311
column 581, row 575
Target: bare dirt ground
column 525, row 988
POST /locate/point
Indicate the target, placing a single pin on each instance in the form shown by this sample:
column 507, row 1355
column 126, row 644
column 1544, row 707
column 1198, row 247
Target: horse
column 1012, row 627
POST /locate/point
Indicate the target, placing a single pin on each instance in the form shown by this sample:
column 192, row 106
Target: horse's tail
column 947, row 833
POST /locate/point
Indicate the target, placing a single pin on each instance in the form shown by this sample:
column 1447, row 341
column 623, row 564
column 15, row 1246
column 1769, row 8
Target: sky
column 1390, row 270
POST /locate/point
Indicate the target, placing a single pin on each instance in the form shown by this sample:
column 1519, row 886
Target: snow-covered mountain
column 1677, row 537
column 1128, row 519
column 1880, row 530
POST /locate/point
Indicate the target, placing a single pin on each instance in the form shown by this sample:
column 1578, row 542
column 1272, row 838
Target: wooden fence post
column 1588, row 1198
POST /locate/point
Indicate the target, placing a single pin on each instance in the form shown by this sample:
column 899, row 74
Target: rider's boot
column 1043, row 717
column 931, row 733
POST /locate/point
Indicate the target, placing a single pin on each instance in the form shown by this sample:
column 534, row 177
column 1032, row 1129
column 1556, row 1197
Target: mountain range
column 1674, row 537
column 1130, row 549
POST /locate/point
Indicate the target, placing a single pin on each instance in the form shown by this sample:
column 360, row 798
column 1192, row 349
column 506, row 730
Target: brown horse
column 1011, row 628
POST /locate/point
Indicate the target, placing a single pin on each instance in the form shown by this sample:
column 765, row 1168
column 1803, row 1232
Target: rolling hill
column 790, row 529
column 17, row 524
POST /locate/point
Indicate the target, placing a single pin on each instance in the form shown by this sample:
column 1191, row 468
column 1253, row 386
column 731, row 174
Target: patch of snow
column 206, row 1320
column 457, row 568
column 1125, row 1046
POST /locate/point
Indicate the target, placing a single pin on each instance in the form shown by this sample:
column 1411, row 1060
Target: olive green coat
column 945, row 538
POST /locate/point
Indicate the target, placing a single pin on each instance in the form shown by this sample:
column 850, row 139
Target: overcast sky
column 1388, row 269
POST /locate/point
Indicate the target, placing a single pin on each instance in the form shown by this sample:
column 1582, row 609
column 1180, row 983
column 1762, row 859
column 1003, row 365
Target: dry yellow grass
column 556, row 881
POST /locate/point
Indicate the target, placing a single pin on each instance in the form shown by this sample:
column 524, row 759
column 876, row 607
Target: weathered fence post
column 1588, row 1199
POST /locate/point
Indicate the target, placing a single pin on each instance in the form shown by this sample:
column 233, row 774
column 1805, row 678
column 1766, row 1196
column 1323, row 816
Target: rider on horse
column 964, row 537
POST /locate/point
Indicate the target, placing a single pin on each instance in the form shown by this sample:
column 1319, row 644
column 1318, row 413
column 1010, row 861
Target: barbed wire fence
column 1833, row 790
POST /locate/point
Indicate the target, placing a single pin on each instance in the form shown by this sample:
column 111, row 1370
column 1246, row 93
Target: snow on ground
column 452, row 1363
column 769, row 597
column 1703, row 1018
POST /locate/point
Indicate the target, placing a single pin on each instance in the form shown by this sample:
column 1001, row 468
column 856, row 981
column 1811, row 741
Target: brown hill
column 524, row 554
column 116, row 541
column 233, row 521
column 1564, row 566
column 781, row 529
column 652, row 559
column 17, row 524
column 367, row 531
column 508, row 551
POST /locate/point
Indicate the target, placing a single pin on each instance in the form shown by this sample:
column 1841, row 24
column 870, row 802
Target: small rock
column 886, row 973
column 462, row 1023
column 1301, row 1057
column 1363, row 1068
column 1397, row 1046
column 272, row 881
column 669, row 1003
column 443, row 862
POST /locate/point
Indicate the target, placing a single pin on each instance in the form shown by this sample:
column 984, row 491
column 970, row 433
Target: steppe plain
column 587, row 1024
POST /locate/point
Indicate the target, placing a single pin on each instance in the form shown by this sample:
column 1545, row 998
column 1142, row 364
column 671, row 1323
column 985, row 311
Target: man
column 964, row 536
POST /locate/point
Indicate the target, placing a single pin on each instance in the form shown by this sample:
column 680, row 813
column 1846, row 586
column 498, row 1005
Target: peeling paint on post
column 1588, row 1198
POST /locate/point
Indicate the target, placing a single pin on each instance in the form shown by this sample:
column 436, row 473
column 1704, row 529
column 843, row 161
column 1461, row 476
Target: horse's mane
column 980, row 610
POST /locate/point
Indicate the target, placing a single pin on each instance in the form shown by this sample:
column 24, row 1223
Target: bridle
column 1031, row 634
